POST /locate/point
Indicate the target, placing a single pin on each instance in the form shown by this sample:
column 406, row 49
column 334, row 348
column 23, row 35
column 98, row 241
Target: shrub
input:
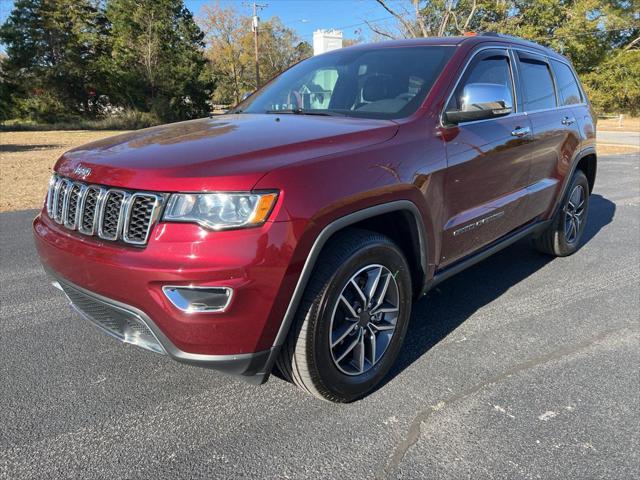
column 43, row 107
column 125, row 120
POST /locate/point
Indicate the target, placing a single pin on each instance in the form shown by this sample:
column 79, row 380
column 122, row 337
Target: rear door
column 555, row 131
column 487, row 165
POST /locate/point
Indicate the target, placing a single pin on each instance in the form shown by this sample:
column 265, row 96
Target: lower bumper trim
column 131, row 325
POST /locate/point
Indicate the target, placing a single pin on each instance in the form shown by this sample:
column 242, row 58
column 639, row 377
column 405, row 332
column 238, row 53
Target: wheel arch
column 402, row 227
column 588, row 163
column 403, row 214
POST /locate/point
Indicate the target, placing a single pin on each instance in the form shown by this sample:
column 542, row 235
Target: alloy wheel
column 364, row 319
column 574, row 214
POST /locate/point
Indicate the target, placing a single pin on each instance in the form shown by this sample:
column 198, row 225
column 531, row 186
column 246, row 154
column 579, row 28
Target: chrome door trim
column 521, row 132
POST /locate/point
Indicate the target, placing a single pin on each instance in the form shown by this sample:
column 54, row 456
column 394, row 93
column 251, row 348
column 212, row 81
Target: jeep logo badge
column 82, row 172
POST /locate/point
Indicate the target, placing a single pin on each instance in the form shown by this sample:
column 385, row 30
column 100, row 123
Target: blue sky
column 304, row 16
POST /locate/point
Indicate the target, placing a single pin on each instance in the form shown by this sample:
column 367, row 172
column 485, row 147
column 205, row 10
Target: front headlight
column 220, row 211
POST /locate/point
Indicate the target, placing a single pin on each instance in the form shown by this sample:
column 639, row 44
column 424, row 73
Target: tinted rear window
column 537, row 85
column 567, row 85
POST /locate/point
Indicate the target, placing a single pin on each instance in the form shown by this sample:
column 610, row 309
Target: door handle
column 521, row 132
column 568, row 120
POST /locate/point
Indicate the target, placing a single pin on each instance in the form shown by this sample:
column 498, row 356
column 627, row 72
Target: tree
column 231, row 51
column 623, row 71
column 157, row 62
column 589, row 32
column 53, row 51
column 228, row 53
column 280, row 47
column 586, row 31
column 6, row 90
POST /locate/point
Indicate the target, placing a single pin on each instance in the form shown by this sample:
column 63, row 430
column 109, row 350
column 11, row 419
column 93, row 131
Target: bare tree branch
column 445, row 18
column 407, row 25
column 470, row 16
column 633, row 44
column 378, row 31
column 420, row 18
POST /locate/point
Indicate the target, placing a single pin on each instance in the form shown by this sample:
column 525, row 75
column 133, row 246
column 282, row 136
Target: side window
column 490, row 71
column 567, row 85
column 537, row 84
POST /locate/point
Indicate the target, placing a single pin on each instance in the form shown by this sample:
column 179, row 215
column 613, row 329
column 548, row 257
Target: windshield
column 376, row 83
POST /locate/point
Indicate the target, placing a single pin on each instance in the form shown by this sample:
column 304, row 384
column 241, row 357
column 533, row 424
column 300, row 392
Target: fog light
column 199, row 299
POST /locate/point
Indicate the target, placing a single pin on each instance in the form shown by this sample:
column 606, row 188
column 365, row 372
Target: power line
column 388, row 17
column 593, row 32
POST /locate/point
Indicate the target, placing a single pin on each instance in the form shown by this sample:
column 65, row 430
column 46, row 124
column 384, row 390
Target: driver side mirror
column 481, row 101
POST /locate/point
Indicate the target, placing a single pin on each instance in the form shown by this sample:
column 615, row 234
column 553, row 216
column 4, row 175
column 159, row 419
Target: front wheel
column 352, row 319
column 562, row 236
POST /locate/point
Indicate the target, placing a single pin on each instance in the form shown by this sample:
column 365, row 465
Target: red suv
column 295, row 231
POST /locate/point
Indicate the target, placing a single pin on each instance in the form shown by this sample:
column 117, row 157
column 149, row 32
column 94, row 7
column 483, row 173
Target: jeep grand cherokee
column 295, row 231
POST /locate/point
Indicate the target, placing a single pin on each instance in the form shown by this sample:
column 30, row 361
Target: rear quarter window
column 567, row 85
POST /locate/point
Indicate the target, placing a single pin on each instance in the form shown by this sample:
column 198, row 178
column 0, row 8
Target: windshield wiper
column 299, row 111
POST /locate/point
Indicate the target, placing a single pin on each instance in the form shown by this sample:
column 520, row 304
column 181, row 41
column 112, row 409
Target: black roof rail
column 518, row 39
column 499, row 35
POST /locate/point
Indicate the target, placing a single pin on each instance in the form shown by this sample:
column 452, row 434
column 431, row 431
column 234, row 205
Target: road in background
column 523, row 366
column 619, row 138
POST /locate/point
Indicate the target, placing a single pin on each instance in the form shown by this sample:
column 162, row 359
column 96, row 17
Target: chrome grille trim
column 59, row 197
column 50, row 195
column 113, row 203
column 70, row 217
column 111, row 214
column 127, row 235
column 89, row 211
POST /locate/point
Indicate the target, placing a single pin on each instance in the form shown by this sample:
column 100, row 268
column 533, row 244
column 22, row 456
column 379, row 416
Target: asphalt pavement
column 619, row 138
column 521, row 367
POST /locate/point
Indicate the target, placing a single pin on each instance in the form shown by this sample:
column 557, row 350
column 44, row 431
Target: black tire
column 559, row 239
column 307, row 358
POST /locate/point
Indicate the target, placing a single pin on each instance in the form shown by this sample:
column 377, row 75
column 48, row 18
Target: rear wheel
column 352, row 319
column 563, row 235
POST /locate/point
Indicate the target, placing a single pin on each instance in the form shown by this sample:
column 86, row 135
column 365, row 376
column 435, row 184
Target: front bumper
column 253, row 262
column 131, row 325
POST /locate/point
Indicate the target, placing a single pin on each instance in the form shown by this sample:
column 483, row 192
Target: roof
column 488, row 37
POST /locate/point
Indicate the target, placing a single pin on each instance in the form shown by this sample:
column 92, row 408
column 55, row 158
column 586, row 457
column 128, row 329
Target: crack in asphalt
column 414, row 431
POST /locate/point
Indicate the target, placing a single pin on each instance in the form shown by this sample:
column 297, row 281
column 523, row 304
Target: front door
column 488, row 165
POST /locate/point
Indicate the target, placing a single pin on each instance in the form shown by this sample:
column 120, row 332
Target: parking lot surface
column 523, row 366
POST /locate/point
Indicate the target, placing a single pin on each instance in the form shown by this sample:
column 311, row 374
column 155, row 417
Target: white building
column 326, row 40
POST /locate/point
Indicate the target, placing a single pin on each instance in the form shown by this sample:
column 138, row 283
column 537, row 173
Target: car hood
column 227, row 152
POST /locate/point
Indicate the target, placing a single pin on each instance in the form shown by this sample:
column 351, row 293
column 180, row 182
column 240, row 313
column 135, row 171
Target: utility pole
column 255, row 21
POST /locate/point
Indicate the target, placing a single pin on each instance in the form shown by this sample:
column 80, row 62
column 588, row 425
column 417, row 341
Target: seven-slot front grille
column 110, row 213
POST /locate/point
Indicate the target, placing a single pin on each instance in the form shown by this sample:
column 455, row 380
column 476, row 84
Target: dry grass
column 26, row 160
column 612, row 148
column 628, row 124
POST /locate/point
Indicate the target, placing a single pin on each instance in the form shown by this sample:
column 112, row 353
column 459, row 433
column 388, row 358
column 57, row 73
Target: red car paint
column 324, row 168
